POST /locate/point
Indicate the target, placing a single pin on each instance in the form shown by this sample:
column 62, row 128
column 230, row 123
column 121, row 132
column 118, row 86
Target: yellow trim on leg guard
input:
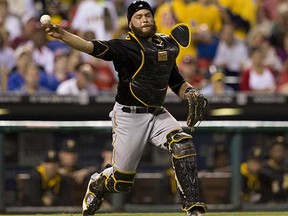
column 120, row 182
column 202, row 207
column 180, row 144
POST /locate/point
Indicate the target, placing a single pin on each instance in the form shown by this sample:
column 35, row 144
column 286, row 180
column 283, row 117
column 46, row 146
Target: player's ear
column 130, row 25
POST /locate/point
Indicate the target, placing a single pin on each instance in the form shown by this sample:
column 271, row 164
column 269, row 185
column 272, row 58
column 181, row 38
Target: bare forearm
column 70, row 39
column 77, row 42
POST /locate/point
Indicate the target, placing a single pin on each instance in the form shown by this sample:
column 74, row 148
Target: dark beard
column 139, row 33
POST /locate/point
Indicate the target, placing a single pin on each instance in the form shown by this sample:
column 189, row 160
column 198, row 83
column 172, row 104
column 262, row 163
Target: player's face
column 142, row 24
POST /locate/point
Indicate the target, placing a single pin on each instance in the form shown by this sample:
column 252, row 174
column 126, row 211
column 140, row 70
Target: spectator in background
column 271, row 58
column 105, row 76
column 99, row 16
column 282, row 51
column 282, row 82
column 41, row 54
column 54, row 10
column 16, row 75
column 9, row 22
column 169, row 14
column 190, row 70
column 29, row 23
column 81, row 83
column 46, row 187
column 242, row 14
column 207, row 47
column 204, row 12
column 279, row 28
column 231, row 54
column 263, row 19
column 61, row 70
column 65, row 7
column 269, row 8
column 258, row 78
column 204, row 19
column 7, row 58
column 21, row 7
column 74, row 58
column 258, row 39
column 217, row 85
column 31, row 83
column 121, row 7
column 105, row 79
column 122, row 29
column 275, row 169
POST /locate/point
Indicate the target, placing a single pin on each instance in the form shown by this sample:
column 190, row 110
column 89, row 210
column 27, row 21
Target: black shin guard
column 185, row 165
column 188, row 183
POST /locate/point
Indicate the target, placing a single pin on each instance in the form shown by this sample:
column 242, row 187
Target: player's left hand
column 197, row 106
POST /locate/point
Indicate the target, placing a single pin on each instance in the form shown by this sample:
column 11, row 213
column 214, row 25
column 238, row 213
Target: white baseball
column 45, row 19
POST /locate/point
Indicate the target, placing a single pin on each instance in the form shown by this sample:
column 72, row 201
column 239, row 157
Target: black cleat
column 91, row 203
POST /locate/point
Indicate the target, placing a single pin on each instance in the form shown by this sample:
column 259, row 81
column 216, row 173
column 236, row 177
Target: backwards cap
column 136, row 6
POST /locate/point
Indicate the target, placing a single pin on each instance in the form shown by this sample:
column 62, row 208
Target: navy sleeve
column 176, row 80
column 108, row 50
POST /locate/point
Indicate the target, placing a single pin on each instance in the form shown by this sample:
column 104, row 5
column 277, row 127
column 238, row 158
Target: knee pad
column 180, row 144
column 120, row 181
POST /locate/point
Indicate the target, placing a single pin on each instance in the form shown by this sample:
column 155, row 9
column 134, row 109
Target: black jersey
column 145, row 69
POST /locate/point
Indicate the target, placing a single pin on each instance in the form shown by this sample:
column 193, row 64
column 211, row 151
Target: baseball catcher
column 145, row 62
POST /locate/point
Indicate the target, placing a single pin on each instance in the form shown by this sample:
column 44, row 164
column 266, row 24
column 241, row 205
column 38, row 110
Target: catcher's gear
column 181, row 34
column 184, row 163
column 150, row 90
column 197, row 104
column 120, row 182
column 180, row 144
column 94, row 195
column 100, row 185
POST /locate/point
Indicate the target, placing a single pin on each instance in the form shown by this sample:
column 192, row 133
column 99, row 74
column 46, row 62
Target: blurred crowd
column 235, row 46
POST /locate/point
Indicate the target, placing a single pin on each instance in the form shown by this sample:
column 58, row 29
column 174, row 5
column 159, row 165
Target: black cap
column 68, row 145
column 51, row 156
column 136, row 6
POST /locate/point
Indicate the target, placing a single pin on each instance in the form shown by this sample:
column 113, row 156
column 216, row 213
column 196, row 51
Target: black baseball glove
column 197, row 104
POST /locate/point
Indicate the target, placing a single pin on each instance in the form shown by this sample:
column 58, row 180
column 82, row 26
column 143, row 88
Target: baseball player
column 145, row 62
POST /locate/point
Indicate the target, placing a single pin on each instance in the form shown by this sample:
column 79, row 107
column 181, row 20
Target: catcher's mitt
column 197, row 106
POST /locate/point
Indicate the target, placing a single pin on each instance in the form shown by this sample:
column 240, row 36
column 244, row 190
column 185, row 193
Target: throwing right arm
column 70, row 39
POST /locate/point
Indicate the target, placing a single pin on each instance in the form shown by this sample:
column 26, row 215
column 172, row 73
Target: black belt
column 141, row 109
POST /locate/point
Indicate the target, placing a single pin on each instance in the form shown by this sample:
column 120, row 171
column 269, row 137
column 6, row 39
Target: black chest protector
column 150, row 82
